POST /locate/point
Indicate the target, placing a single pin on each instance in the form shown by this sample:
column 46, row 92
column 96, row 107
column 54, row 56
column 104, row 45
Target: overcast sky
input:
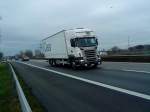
column 25, row 22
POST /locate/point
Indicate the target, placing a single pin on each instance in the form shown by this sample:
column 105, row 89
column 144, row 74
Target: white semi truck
column 75, row 47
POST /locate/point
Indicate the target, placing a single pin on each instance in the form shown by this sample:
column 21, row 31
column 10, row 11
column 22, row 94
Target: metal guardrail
column 25, row 107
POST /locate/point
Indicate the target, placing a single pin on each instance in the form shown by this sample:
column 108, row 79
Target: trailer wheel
column 50, row 62
column 56, row 63
column 53, row 62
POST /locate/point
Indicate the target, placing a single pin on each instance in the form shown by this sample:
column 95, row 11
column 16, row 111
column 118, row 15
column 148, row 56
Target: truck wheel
column 95, row 66
column 50, row 62
column 53, row 63
column 57, row 63
column 73, row 65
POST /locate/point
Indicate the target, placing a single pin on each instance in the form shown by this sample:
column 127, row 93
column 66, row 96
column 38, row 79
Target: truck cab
column 83, row 51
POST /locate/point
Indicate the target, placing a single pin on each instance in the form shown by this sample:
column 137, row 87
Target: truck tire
column 73, row 65
column 53, row 63
column 95, row 66
column 50, row 62
column 56, row 63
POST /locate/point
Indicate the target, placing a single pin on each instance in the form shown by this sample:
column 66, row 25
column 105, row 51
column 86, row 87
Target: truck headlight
column 99, row 58
column 81, row 60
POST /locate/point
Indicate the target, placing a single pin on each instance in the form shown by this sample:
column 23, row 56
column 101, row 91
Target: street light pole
column 0, row 35
column 128, row 42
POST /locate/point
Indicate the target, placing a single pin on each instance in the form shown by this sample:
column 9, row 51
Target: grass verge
column 8, row 97
column 32, row 100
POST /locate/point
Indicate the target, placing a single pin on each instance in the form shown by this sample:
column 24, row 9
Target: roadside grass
column 32, row 100
column 8, row 96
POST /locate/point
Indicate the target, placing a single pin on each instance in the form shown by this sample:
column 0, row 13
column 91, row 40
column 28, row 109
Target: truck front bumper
column 86, row 63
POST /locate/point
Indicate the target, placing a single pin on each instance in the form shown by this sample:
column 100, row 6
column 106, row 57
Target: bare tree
column 1, row 55
column 115, row 48
column 21, row 53
column 29, row 53
column 38, row 53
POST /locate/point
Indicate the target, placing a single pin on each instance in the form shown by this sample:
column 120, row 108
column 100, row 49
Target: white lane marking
column 133, row 93
column 136, row 71
column 38, row 60
column 125, row 70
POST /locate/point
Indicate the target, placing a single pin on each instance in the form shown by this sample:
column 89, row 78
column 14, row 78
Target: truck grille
column 90, row 55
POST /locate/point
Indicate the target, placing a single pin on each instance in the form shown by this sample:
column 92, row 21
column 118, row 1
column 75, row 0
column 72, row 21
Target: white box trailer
column 55, row 46
column 75, row 47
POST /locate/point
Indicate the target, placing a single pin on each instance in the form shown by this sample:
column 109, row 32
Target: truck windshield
column 86, row 42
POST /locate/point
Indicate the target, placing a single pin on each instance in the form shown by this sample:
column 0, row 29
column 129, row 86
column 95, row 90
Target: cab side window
column 72, row 41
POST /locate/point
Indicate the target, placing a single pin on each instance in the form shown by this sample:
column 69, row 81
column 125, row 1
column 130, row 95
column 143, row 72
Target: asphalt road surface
column 112, row 87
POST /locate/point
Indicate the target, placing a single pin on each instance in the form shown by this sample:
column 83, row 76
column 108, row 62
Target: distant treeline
column 127, row 58
column 135, row 50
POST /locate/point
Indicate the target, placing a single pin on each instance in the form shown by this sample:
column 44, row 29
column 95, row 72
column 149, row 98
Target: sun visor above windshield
column 85, row 34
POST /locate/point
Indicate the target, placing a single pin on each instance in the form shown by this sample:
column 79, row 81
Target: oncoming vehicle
column 25, row 58
column 75, row 47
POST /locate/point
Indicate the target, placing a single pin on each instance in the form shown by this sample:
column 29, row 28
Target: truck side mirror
column 72, row 41
column 97, row 41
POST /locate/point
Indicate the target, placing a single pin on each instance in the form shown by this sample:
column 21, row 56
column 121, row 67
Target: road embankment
column 9, row 101
column 9, row 97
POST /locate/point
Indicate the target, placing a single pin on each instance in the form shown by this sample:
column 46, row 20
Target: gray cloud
column 25, row 23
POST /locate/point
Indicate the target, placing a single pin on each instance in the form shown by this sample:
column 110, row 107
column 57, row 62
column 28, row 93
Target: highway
column 112, row 87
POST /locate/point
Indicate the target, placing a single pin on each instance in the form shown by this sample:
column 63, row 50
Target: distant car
column 25, row 58
column 16, row 58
